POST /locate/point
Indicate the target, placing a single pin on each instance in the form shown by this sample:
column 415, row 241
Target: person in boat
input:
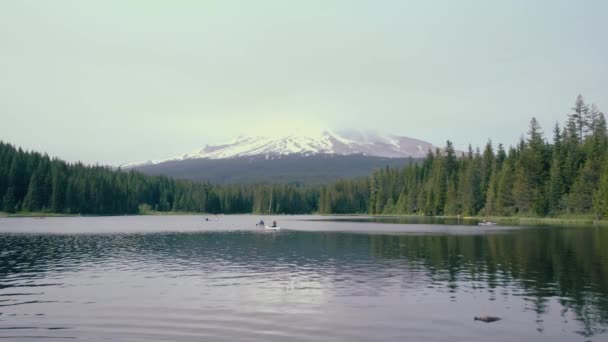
column 274, row 224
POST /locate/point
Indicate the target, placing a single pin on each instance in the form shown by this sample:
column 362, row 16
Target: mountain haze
column 347, row 143
column 290, row 158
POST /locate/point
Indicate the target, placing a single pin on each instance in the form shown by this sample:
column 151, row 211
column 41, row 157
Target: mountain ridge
column 347, row 143
column 289, row 169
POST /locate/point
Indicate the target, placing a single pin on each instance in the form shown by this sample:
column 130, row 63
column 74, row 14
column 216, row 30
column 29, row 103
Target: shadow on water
column 570, row 265
column 460, row 221
column 413, row 219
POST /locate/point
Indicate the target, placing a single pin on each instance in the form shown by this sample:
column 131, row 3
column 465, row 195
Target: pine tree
column 38, row 193
column 18, row 177
column 492, row 193
column 579, row 117
column 9, row 201
column 501, row 155
column 33, row 198
column 505, row 202
column 600, row 133
column 581, row 195
column 413, row 197
column 58, row 188
column 591, row 119
column 471, row 198
column 389, row 207
column 325, row 202
column 452, row 206
column 487, row 165
column 380, row 201
column 451, row 163
column 557, row 138
column 6, row 155
column 600, row 197
column 401, row 205
column 522, row 190
column 535, row 134
column 373, row 197
column 556, row 186
column 437, row 186
column 587, row 179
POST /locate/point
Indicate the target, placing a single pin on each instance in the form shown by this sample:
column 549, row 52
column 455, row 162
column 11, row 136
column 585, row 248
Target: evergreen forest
column 563, row 172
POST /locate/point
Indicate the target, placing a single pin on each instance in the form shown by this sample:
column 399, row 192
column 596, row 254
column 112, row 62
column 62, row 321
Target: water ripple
column 302, row 286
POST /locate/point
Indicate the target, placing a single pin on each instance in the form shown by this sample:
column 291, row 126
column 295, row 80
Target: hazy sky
column 119, row 81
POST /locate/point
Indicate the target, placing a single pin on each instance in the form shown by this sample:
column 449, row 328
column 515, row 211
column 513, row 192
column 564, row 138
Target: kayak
column 486, row 224
column 272, row 228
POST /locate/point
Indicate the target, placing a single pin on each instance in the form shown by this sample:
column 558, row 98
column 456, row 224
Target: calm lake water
column 178, row 278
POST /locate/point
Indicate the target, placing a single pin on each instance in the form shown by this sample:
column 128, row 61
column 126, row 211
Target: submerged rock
column 487, row 319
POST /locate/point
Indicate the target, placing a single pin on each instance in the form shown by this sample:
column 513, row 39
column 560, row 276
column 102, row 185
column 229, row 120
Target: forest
column 535, row 178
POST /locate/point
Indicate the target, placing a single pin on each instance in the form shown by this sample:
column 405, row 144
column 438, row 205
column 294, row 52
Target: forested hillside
column 315, row 169
column 33, row 182
column 534, row 178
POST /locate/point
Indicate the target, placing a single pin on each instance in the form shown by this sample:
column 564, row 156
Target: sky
column 112, row 82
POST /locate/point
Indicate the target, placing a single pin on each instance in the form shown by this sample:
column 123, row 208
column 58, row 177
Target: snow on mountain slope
column 327, row 142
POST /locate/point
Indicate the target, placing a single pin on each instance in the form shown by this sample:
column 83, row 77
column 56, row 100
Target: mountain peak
column 347, row 142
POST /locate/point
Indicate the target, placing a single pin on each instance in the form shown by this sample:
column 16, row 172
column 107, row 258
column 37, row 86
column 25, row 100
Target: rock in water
column 487, row 319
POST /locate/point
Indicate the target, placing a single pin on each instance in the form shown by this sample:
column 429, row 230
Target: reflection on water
column 546, row 284
column 411, row 219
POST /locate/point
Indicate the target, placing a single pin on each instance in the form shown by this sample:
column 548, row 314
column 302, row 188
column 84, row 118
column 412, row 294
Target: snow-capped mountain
column 326, row 143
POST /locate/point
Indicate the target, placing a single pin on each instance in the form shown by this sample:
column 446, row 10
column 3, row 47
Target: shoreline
column 502, row 220
column 508, row 220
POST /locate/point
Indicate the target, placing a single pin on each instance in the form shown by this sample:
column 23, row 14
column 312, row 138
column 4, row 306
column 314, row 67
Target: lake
column 179, row 278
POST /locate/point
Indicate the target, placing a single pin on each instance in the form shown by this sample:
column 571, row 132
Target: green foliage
column 535, row 178
column 600, row 199
column 144, row 208
column 556, row 186
column 33, row 182
column 9, row 201
column 579, row 117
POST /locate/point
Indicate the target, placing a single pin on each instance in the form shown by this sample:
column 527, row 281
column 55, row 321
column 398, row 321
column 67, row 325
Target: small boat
column 262, row 226
column 486, row 223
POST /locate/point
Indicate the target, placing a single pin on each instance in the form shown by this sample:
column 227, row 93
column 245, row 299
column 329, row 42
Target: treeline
column 33, row 182
column 568, row 176
column 535, row 178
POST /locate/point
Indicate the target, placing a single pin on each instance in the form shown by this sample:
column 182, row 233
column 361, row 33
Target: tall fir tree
column 556, row 186
column 33, row 200
column 600, row 198
column 9, row 201
column 579, row 117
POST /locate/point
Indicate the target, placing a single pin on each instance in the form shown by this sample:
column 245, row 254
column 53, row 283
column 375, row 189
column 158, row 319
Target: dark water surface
column 177, row 278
